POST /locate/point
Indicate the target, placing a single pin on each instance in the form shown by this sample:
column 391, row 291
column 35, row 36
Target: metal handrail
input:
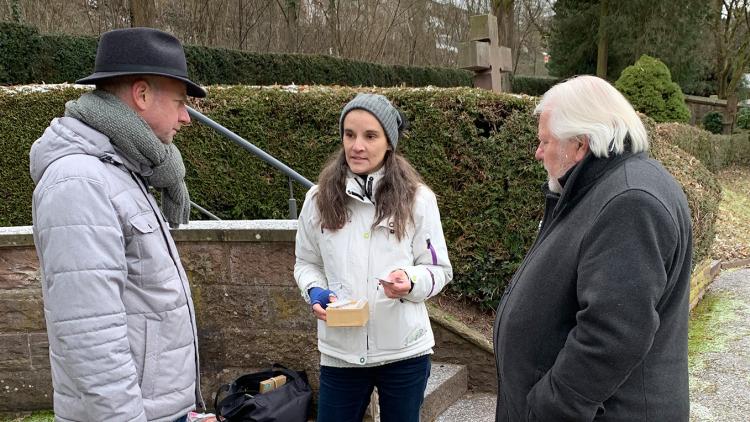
column 289, row 172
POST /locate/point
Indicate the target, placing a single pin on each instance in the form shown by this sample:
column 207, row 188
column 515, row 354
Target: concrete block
column 207, row 262
column 14, row 352
column 19, row 268
column 504, row 59
column 715, row 268
column 23, row 311
column 474, row 55
column 27, row 390
column 263, row 264
column 487, row 80
column 447, row 384
column 39, row 350
column 738, row 263
column 483, row 28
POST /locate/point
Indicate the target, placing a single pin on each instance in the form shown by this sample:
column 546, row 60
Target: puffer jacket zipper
column 141, row 186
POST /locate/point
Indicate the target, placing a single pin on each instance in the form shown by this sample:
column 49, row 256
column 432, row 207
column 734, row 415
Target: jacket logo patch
column 414, row 336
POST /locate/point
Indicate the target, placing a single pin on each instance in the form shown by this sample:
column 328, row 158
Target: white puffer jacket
column 348, row 260
column 120, row 319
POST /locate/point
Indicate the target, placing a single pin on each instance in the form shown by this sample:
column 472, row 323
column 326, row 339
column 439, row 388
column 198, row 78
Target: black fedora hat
column 141, row 51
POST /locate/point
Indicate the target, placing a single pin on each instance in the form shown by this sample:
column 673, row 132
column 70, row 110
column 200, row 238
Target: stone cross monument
column 491, row 62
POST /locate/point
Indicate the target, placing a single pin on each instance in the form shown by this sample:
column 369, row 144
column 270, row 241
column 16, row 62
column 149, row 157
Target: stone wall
column 249, row 310
column 700, row 106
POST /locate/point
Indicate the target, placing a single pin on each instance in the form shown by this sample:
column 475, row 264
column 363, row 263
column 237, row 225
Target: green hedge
column 699, row 183
column 27, row 57
column 716, row 152
column 732, row 150
column 533, row 85
column 16, row 41
column 698, row 142
column 473, row 147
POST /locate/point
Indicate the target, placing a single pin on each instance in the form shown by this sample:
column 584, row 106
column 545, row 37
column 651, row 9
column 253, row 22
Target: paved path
column 720, row 351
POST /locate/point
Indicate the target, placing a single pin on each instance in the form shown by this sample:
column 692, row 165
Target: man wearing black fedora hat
column 120, row 318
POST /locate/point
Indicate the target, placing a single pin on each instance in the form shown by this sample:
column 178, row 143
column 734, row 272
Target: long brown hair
column 394, row 196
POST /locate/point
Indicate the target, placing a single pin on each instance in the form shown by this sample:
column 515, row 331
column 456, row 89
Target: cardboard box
column 347, row 313
column 272, row 383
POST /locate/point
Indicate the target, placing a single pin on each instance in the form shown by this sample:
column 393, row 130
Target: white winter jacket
column 120, row 319
column 348, row 260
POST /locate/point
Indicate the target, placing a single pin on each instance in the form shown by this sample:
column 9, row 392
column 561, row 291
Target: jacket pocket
column 398, row 324
column 151, row 358
column 345, row 340
column 144, row 223
column 145, row 247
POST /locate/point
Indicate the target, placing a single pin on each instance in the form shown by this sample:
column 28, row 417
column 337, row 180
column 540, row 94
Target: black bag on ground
column 242, row 401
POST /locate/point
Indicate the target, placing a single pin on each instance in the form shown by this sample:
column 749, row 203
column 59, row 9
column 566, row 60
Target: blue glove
column 321, row 296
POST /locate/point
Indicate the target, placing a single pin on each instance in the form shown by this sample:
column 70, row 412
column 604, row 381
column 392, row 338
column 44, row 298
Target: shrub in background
column 648, row 86
column 713, row 122
column 743, row 118
column 532, row 85
column 697, row 142
column 473, row 147
column 732, row 150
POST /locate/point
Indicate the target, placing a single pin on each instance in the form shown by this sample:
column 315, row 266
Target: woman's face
column 365, row 143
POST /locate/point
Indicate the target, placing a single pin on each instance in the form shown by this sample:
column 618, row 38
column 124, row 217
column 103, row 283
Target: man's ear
column 583, row 148
column 140, row 94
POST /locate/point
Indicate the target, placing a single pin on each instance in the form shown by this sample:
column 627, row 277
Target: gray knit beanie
column 379, row 106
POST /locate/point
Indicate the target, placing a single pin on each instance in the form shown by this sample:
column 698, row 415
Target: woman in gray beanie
column 371, row 230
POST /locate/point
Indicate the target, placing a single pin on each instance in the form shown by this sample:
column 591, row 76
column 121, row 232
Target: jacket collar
column 584, row 175
column 68, row 136
column 362, row 188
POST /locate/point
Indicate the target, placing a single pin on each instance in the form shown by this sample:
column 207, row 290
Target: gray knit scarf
column 134, row 138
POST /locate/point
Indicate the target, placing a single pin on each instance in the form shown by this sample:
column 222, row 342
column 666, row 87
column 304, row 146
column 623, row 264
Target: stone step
column 448, row 383
column 472, row 407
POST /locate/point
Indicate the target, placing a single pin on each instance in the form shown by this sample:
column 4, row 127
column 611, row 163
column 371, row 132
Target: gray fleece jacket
column 120, row 319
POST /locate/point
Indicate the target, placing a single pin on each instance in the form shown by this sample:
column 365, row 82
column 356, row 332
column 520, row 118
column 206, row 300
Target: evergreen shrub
column 743, row 118
column 648, row 86
column 533, row 85
column 473, row 147
column 713, row 122
column 28, row 57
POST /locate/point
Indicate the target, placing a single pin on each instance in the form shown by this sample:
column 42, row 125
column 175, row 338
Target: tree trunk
column 142, row 13
column 603, row 45
column 503, row 10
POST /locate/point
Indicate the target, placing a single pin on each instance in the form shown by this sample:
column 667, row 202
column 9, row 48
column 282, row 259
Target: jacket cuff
column 424, row 283
column 310, row 285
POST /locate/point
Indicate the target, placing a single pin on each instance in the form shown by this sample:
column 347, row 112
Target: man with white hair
column 593, row 325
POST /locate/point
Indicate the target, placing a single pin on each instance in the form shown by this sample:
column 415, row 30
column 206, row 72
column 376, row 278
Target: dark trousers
column 345, row 392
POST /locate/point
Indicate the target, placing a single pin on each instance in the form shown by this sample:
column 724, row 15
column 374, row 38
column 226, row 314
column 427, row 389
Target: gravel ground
column 720, row 352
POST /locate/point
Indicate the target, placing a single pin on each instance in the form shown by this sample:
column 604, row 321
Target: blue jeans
column 182, row 419
column 345, row 392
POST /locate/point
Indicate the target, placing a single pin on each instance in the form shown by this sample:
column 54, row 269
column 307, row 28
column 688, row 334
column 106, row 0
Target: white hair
column 591, row 107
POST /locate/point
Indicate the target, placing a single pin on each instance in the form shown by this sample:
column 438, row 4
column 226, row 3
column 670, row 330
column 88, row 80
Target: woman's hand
column 318, row 310
column 399, row 285
column 320, row 298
